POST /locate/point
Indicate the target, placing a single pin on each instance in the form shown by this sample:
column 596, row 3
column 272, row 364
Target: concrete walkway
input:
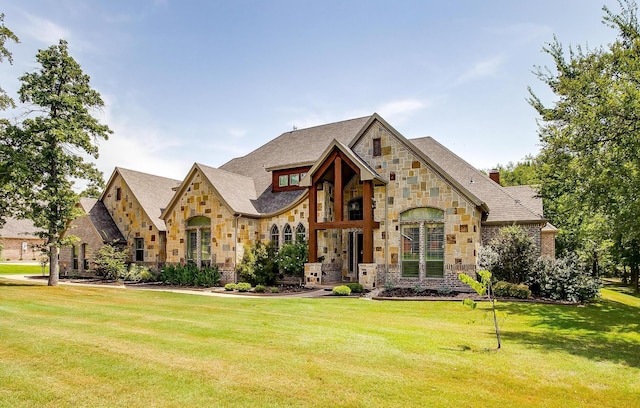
column 216, row 292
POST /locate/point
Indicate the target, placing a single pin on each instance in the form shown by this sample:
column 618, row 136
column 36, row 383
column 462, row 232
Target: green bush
column 260, row 288
column 506, row 289
column 243, row 286
column 230, row 286
column 564, row 279
column 355, row 287
column 520, row 291
column 137, row 273
column 275, row 289
column 259, row 264
column 342, row 290
column 190, row 275
column 292, row 257
column 109, row 262
column 514, row 255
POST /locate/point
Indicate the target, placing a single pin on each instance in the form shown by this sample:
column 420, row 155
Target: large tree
column 590, row 166
column 6, row 35
column 54, row 142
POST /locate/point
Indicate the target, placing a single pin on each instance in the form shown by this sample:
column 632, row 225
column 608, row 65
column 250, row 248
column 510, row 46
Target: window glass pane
column 288, row 234
column 275, row 236
column 192, row 242
column 411, row 251
column 301, row 233
column 199, row 222
column 434, row 250
column 423, row 214
column 294, row 179
column 205, row 238
column 283, row 181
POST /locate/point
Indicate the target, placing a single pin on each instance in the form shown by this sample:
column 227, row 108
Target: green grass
column 19, row 269
column 104, row 347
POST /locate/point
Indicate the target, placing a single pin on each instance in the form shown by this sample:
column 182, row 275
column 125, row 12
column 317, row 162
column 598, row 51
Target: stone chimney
column 495, row 175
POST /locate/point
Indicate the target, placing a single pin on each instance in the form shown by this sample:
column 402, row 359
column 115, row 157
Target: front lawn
column 80, row 346
column 22, row 269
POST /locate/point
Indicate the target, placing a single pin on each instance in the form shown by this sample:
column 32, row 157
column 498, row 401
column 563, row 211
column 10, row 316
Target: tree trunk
column 53, row 265
column 634, row 278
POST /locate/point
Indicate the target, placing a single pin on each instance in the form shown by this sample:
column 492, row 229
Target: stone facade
column 77, row 260
column 134, row 224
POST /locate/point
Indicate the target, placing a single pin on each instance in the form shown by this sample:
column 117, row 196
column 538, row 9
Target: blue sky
column 206, row 81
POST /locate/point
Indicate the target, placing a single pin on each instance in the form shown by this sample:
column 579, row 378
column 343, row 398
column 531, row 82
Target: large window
column 287, row 234
column 275, row 236
column 199, row 241
column 74, row 255
column 422, row 240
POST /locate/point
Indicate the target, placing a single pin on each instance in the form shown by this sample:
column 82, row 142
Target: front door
column 355, row 253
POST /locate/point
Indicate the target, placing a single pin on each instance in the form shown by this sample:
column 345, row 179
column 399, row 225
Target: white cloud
column 482, row 69
column 45, row 31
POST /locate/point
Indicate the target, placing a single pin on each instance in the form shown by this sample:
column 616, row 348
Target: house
column 374, row 206
column 96, row 227
column 20, row 241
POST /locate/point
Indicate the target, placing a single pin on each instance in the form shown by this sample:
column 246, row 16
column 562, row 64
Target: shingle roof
column 152, row 192
column 298, row 147
column 528, row 196
column 15, row 228
column 101, row 219
column 235, row 190
column 503, row 207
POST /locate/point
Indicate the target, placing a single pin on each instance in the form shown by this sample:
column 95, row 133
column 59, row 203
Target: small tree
column 292, row 257
column 482, row 287
column 110, row 261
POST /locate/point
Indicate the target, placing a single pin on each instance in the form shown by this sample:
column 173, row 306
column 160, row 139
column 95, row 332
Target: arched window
column 301, row 233
column 287, row 234
column 199, row 241
column 422, row 241
column 275, row 236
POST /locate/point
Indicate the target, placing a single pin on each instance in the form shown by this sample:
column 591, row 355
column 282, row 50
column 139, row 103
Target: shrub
column 190, row 275
column 564, row 279
column 109, row 262
column 341, row 290
column 515, row 255
column 444, row 290
column 230, row 286
column 243, row 286
column 137, row 273
column 520, row 291
column 506, row 289
column 275, row 289
column 259, row 264
column 260, row 288
column 292, row 257
column 355, row 287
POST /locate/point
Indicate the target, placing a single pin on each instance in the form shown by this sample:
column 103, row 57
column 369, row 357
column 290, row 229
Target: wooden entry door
column 355, row 252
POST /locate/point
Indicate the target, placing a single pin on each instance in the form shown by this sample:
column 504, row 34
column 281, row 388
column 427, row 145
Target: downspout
column 235, row 245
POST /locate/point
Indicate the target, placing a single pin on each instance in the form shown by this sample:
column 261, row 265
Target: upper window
column 118, row 194
column 294, row 179
column 288, row 234
column 139, row 243
column 199, row 222
column 275, row 236
column 377, row 147
column 283, row 180
column 301, row 233
column 354, row 209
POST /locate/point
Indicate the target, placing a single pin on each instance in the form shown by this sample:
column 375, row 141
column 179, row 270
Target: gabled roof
column 366, row 172
column 433, row 164
column 504, row 207
column 152, row 192
column 19, row 228
column 235, row 190
column 101, row 220
column 297, row 148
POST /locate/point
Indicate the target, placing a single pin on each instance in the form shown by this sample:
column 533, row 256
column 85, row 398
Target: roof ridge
column 145, row 173
column 223, row 170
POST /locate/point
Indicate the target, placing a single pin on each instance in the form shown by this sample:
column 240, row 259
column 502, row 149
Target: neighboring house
column 20, row 241
column 92, row 230
column 373, row 205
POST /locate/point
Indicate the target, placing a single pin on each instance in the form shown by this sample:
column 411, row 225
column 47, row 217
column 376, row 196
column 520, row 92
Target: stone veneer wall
column 133, row 223
column 413, row 184
column 548, row 243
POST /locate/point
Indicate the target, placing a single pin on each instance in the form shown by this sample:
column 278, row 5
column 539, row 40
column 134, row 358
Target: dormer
column 287, row 178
